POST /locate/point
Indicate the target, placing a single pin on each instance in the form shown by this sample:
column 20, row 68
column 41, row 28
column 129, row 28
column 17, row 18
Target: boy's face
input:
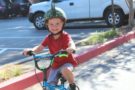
column 55, row 25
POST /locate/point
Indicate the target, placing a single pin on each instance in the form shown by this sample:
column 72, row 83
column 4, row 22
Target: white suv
column 81, row 10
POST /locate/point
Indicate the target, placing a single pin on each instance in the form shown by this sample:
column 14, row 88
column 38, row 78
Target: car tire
column 39, row 21
column 119, row 18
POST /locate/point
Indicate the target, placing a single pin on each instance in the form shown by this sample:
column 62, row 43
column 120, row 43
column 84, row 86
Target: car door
column 97, row 7
column 74, row 9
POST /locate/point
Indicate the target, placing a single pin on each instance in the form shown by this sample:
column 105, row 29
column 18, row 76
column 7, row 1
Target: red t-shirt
column 55, row 45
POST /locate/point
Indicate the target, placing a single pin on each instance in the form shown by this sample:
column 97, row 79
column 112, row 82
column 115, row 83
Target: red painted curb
column 29, row 79
column 21, row 82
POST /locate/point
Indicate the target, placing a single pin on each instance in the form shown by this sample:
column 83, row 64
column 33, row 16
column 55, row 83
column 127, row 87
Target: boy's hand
column 25, row 51
column 70, row 50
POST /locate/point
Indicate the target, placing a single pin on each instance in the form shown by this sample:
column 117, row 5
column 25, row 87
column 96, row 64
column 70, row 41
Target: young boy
column 55, row 41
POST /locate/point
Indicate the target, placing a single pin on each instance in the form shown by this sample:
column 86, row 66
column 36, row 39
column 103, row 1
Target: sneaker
column 72, row 86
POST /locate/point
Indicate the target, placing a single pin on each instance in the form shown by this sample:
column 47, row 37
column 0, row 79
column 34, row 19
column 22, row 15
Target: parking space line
column 3, row 50
column 13, row 48
column 20, row 37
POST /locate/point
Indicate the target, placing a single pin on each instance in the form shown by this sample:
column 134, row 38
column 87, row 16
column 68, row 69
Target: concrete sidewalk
column 112, row 70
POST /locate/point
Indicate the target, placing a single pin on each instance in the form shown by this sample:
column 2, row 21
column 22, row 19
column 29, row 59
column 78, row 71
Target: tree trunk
column 131, row 13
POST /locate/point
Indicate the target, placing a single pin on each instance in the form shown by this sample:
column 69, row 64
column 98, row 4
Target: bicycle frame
column 53, row 87
column 37, row 58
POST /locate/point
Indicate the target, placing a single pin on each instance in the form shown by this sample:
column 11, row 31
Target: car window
column 2, row 3
column 44, row 0
column 56, row 1
column 20, row 1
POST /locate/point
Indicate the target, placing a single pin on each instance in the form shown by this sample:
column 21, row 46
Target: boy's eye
column 56, row 24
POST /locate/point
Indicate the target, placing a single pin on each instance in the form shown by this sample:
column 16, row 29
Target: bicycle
column 45, row 85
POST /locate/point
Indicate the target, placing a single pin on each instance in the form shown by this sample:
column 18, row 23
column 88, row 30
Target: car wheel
column 119, row 18
column 39, row 21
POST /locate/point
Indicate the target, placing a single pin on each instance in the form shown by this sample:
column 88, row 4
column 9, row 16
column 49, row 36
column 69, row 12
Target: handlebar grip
column 74, row 51
column 65, row 52
column 30, row 53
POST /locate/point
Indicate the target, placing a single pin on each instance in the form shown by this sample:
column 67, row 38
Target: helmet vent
column 53, row 9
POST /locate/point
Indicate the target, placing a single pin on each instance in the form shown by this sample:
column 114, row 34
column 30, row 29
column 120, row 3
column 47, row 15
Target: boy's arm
column 36, row 49
column 71, row 47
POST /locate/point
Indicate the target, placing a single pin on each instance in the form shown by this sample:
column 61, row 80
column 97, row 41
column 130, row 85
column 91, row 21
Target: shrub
column 100, row 37
column 10, row 71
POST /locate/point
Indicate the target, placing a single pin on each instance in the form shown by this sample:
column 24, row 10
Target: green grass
column 100, row 37
column 10, row 71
